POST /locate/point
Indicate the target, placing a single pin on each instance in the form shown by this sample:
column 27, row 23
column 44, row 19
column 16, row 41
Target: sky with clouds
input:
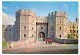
column 41, row 8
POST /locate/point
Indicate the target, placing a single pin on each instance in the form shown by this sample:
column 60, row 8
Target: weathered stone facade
column 30, row 28
column 29, row 25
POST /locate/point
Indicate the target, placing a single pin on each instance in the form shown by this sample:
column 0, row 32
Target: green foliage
column 4, row 44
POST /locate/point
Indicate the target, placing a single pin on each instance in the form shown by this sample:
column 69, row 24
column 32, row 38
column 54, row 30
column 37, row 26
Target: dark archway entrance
column 41, row 35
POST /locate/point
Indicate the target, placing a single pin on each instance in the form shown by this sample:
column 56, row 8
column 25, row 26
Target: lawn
column 4, row 44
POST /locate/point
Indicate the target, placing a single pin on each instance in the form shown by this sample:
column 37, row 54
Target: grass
column 4, row 44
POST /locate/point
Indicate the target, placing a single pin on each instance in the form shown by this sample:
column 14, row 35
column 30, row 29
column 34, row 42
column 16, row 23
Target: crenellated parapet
column 41, row 19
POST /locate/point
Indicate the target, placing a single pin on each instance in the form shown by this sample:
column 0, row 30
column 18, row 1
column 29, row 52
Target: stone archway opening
column 41, row 35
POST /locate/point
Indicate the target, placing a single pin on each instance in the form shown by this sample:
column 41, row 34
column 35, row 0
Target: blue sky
column 42, row 8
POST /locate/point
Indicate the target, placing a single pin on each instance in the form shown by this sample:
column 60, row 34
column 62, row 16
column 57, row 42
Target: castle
column 30, row 26
column 55, row 25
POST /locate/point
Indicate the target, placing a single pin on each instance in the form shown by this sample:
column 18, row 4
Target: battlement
column 26, row 12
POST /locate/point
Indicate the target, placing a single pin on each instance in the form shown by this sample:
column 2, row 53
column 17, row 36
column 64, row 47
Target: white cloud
column 7, row 19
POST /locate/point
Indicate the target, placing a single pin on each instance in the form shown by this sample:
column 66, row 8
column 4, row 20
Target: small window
column 74, row 31
column 77, row 31
column 70, row 26
column 32, row 35
column 17, row 35
column 60, row 21
column 32, row 28
column 24, row 35
column 60, row 35
column 73, row 27
column 41, row 27
column 70, row 31
column 10, row 29
column 6, row 29
column 52, row 28
column 24, row 27
column 60, row 28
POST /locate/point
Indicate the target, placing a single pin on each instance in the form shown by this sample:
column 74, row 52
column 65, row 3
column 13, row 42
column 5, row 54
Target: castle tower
column 61, row 25
column 25, row 24
column 51, row 25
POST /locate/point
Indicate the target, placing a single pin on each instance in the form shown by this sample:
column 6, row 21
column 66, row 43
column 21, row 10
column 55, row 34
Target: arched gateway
column 41, row 35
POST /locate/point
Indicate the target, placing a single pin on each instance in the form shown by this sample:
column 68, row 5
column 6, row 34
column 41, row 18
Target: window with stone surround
column 70, row 31
column 24, row 35
column 41, row 27
column 51, row 28
column 60, row 35
column 77, row 31
column 74, row 31
column 60, row 21
column 73, row 27
column 32, row 35
column 32, row 28
column 59, row 28
column 24, row 27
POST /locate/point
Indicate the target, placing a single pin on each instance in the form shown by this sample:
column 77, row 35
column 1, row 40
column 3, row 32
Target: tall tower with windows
column 61, row 25
column 25, row 24
column 51, row 25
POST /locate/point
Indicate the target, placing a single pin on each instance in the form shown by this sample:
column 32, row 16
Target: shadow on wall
column 10, row 33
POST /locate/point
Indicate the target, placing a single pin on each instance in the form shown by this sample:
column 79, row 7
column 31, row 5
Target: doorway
column 41, row 36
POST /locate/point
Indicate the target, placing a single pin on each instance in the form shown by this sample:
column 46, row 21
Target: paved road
column 45, row 50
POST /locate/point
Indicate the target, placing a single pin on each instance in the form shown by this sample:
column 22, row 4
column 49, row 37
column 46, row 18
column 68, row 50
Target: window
column 24, row 27
column 60, row 28
column 32, row 35
column 60, row 21
column 41, row 27
column 52, row 28
column 24, row 35
column 17, row 35
column 74, row 31
column 73, row 27
column 32, row 28
column 70, row 31
column 6, row 29
column 10, row 29
column 77, row 31
column 60, row 35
